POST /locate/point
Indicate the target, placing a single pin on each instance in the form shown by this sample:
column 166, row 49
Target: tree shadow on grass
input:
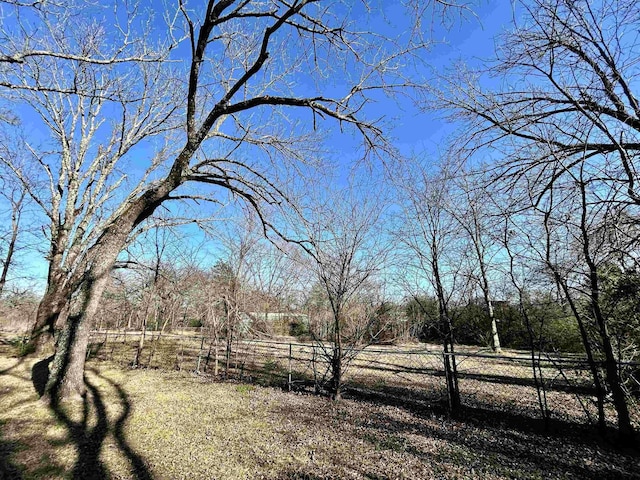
column 526, row 420
column 7, row 468
column 88, row 437
column 478, row 443
column 7, row 370
column 496, row 449
column 509, row 440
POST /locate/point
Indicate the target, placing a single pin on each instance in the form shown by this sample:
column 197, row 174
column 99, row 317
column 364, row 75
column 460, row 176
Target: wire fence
column 516, row 382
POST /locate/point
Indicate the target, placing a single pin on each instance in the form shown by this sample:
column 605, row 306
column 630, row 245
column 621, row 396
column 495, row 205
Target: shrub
column 22, row 346
column 298, row 329
column 195, row 323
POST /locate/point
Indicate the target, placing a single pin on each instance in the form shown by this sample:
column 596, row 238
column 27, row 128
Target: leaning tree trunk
column 10, row 250
column 625, row 427
column 66, row 378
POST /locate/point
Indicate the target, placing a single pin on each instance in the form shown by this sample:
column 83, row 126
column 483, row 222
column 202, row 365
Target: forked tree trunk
column 450, row 367
column 625, row 427
column 66, row 378
column 337, row 353
column 49, row 311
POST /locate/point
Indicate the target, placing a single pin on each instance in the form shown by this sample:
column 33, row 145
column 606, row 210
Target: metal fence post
column 289, row 381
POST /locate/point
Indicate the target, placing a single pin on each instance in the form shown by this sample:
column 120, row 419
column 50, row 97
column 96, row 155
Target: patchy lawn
column 169, row 425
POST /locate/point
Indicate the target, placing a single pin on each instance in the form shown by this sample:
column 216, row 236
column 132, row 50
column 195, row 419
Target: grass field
column 148, row 423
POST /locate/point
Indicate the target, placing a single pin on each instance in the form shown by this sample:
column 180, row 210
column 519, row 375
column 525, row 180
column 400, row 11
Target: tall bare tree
column 429, row 235
column 246, row 110
column 566, row 122
column 81, row 84
column 346, row 250
column 470, row 209
column 14, row 196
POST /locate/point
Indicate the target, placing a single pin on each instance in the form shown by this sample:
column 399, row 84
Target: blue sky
column 469, row 38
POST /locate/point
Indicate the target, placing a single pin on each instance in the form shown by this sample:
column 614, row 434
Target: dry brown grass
column 503, row 383
column 170, row 425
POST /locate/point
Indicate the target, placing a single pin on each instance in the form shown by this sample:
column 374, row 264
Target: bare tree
column 569, row 73
column 245, row 63
column 429, row 236
column 77, row 175
column 14, row 195
column 471, row 212
column 566, row 124
column 346, row 249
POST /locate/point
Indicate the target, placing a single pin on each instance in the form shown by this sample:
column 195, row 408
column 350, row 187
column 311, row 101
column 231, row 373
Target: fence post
column 289, row 380
column 316, row 388
column 200, row 355
column 88, row 349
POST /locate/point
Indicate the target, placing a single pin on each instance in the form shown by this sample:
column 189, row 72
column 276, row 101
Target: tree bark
column 66, row 379
column 9, row 257
column 451, row 369
column 336, row 364
column 50, row 309
column 625, row 427
column 336, row 380
column 495, row 338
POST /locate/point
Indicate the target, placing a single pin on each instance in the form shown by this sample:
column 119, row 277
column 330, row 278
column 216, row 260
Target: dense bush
column 551, row 327
column 195, row 323
column 298, row 328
